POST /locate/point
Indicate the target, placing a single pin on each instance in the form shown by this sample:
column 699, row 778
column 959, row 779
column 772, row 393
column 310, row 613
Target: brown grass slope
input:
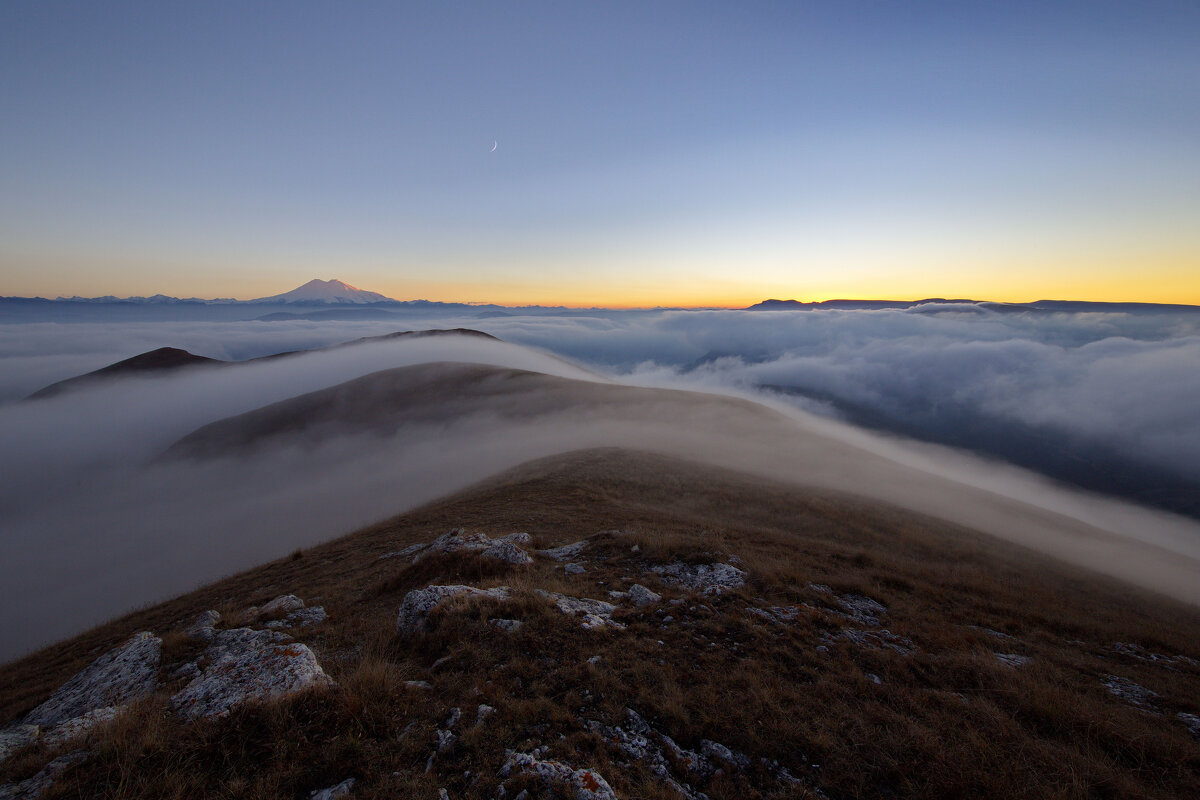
column 946, row 720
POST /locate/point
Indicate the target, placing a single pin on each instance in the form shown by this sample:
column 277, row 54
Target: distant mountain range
column 316, row 291
column 938, row 304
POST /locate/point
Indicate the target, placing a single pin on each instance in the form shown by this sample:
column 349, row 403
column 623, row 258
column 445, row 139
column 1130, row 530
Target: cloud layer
column 94, row 525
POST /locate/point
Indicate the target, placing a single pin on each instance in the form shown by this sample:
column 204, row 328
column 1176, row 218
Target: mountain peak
column 330, row 291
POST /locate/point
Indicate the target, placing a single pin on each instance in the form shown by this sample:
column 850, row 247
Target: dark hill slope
column 860, row 656
column 438, row 393
column 168, row 359
column 164, row 359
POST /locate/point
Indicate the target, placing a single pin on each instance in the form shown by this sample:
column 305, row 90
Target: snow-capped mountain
column 331, row 291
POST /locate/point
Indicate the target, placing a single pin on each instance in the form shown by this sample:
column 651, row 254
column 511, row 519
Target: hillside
column 783, row 643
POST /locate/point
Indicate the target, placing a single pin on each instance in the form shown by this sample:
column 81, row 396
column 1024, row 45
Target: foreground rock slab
column 120, row 676
column 248, row 666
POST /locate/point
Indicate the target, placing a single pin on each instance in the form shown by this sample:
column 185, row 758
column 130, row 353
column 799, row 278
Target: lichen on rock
column 120, row 676
column 244, row 666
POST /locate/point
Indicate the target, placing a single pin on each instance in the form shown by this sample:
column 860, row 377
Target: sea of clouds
column 95, row 523
column 1124, row 383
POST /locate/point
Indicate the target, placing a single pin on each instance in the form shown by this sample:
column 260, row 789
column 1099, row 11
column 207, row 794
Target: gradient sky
column 648, row 153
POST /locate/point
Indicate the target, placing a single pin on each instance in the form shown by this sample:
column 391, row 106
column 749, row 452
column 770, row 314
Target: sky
column 617, row 154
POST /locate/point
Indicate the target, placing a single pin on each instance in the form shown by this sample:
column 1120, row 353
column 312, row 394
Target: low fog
column 95, row 523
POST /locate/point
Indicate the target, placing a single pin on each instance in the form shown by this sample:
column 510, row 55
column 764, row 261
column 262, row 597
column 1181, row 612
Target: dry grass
column 947, row 720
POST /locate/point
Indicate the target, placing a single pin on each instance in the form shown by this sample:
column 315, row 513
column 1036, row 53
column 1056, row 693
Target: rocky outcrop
column 594, row 614
column 505, row 548
column 704, row 578
column 246, row 665
column 80, row 725
column 32, row 788
column 203, row 627
column 284, row 604
column 300, row 618
column 584, row 784
column 120, row 676
column 564, row 553
column 14, row 737
column 417, row 604
column 1132, row 693
column 641, row 597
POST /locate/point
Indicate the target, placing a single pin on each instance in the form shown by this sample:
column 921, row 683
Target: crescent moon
column 495, row 144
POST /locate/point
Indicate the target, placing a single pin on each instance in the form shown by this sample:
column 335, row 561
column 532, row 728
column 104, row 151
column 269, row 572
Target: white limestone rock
column 120, row 676
column 594, row 614
column 505, row 548
column 708, row 579
column 284, row 604
column 642, row 597
column 585, row 784
column 32, row 788
column 1192, row 721
column 574, row 569
column 202, row 628
column 414, row 610
column 1013, row 659
column 74, row 728
column 248, row 666
column 564, row 553
column 1132, row 693
column 14, row 737
column 334, row 792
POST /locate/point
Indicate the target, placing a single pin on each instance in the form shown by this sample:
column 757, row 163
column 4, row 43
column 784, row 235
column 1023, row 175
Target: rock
column 79, row 726
column 637, row 741
column 595, row 613
column 412, row 549
column 780, row 615
column 248, row 666
column 585, row 784
column 334, row 792
column 642, row 597
column 1013, row 659
column 414, row 610
column 574, row 569
column 507, row 552
column 706, row 578
column 202, row 627
column 418, row 684
column 446, row 740
column 120, row 676
column 189, row 670
column 14, row 737
column 32, row 788
column 873, row 640
column 1131, row 693
column 1192, row 721
column 284, row 604
column 504, row 548
column 722, row 753
column 455, row 716
column 564, row 553
column 305, row 617
column 482, row 713
column 508, row 625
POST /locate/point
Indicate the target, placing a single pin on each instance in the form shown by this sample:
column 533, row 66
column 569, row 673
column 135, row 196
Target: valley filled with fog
column 98, row 520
